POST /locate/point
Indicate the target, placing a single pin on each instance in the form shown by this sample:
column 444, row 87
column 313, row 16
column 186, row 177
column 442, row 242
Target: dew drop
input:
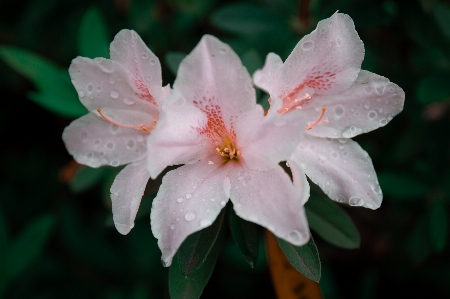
column 111, row 80
column 372, row 114
column 223, row 50
column 335, row 155
column 97, row 141
column 339, row 111
column 128, row 101
column 306, row 46
column 114, row 94
column 81, row 94
column 222, row 203
column 338, row 42
column 144, row 55
column 180, row 199
column 152, row 61
column 356, row 202
column 89, row 88
column 383, row 121
column 212, row 199
column 189, row 216
column 89, row 155
column 109, row 145
column 367, row 105
column 114, row 163
column 294, row 236
column 188, row 196
column 130, row 143
column 172, row 226
column 327, row 183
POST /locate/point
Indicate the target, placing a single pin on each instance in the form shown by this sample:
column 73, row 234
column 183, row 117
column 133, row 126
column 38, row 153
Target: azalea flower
column 322, row 79
column 123, row 95
column 212, row 124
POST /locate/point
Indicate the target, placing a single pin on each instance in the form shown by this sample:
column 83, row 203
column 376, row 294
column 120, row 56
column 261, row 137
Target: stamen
column 293, row 103
column 309, row 126
column 140, row 127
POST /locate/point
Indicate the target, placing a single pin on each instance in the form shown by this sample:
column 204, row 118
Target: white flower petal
column 126, row 194
column 371, row 102
column 327, row 60
column 265, row 78
column 94, row 142
column 107, row 85
column 189, row 199
column 341, row 168
column 212, row 74
column 264, row 141
column 175, row 140
column 269, row 199
column 142, row 65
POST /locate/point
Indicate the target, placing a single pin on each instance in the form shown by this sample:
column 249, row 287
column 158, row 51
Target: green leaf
column 305, row 259
column 56, row 92
column 331, row 222
column 441, row 13
column 434, row 88
column 245, row 235
column 246, row 19
column 86, row 178
column 173, row 60
column 195, row 249
column 401, row 186
column 252, row 61
column 93, row 40
column 28, row 245
column 3, row 239
column 438, row 225
column 191, row 287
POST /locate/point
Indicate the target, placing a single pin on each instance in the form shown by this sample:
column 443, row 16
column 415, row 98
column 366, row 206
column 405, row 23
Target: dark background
column 56, row 234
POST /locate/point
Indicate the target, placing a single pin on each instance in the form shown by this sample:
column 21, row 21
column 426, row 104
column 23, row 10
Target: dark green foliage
column 57, row 239
column 305, row 259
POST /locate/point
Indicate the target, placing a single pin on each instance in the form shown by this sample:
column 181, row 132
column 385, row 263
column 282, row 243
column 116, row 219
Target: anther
column 140, row 127
column 309, row 126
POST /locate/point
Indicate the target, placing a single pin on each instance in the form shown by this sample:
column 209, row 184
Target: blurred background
column 57, row 239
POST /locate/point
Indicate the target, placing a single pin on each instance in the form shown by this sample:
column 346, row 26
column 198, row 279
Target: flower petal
column 265, row 78
column 126, row 194
column 189, row 199
column 213, row 72
column 341, row 168
column 175, row 139
column 142, row 65
column 94, row 142
column 264, row 141
column 327, row 60
column 107, row 85
column 300, row 181
column 269, row 199
column 371, row 102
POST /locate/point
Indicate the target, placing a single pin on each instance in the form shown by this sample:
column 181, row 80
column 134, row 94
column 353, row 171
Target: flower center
column 227, row 150
column 141, row 127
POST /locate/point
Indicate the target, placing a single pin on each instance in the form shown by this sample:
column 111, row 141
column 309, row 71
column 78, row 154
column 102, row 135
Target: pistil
column 140, row 127
column 309, row 126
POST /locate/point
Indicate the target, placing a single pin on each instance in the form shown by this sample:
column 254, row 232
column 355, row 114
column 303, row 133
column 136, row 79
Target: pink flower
column 322, row 79
column 123, row 95
column 212, row 124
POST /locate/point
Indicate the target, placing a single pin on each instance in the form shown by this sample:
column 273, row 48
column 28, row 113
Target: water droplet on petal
column 152, row 61
column 339, row 111
column 212, row 199
column 89, row 88
column 144, row 55
column 222, row 203
column 188, row 196
column 383, row 121
column 223, row 50
column 81, row 94
column 172, row 226
column 367, row 105
column 189, row 216
column 356, row 202
column 128, row 101
column 294, row 236
column 114, row 163
column 109, row 145
column 84, row 135
column 130, row 143
column 306, row 46
column 180, row 199
column 114, row 94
